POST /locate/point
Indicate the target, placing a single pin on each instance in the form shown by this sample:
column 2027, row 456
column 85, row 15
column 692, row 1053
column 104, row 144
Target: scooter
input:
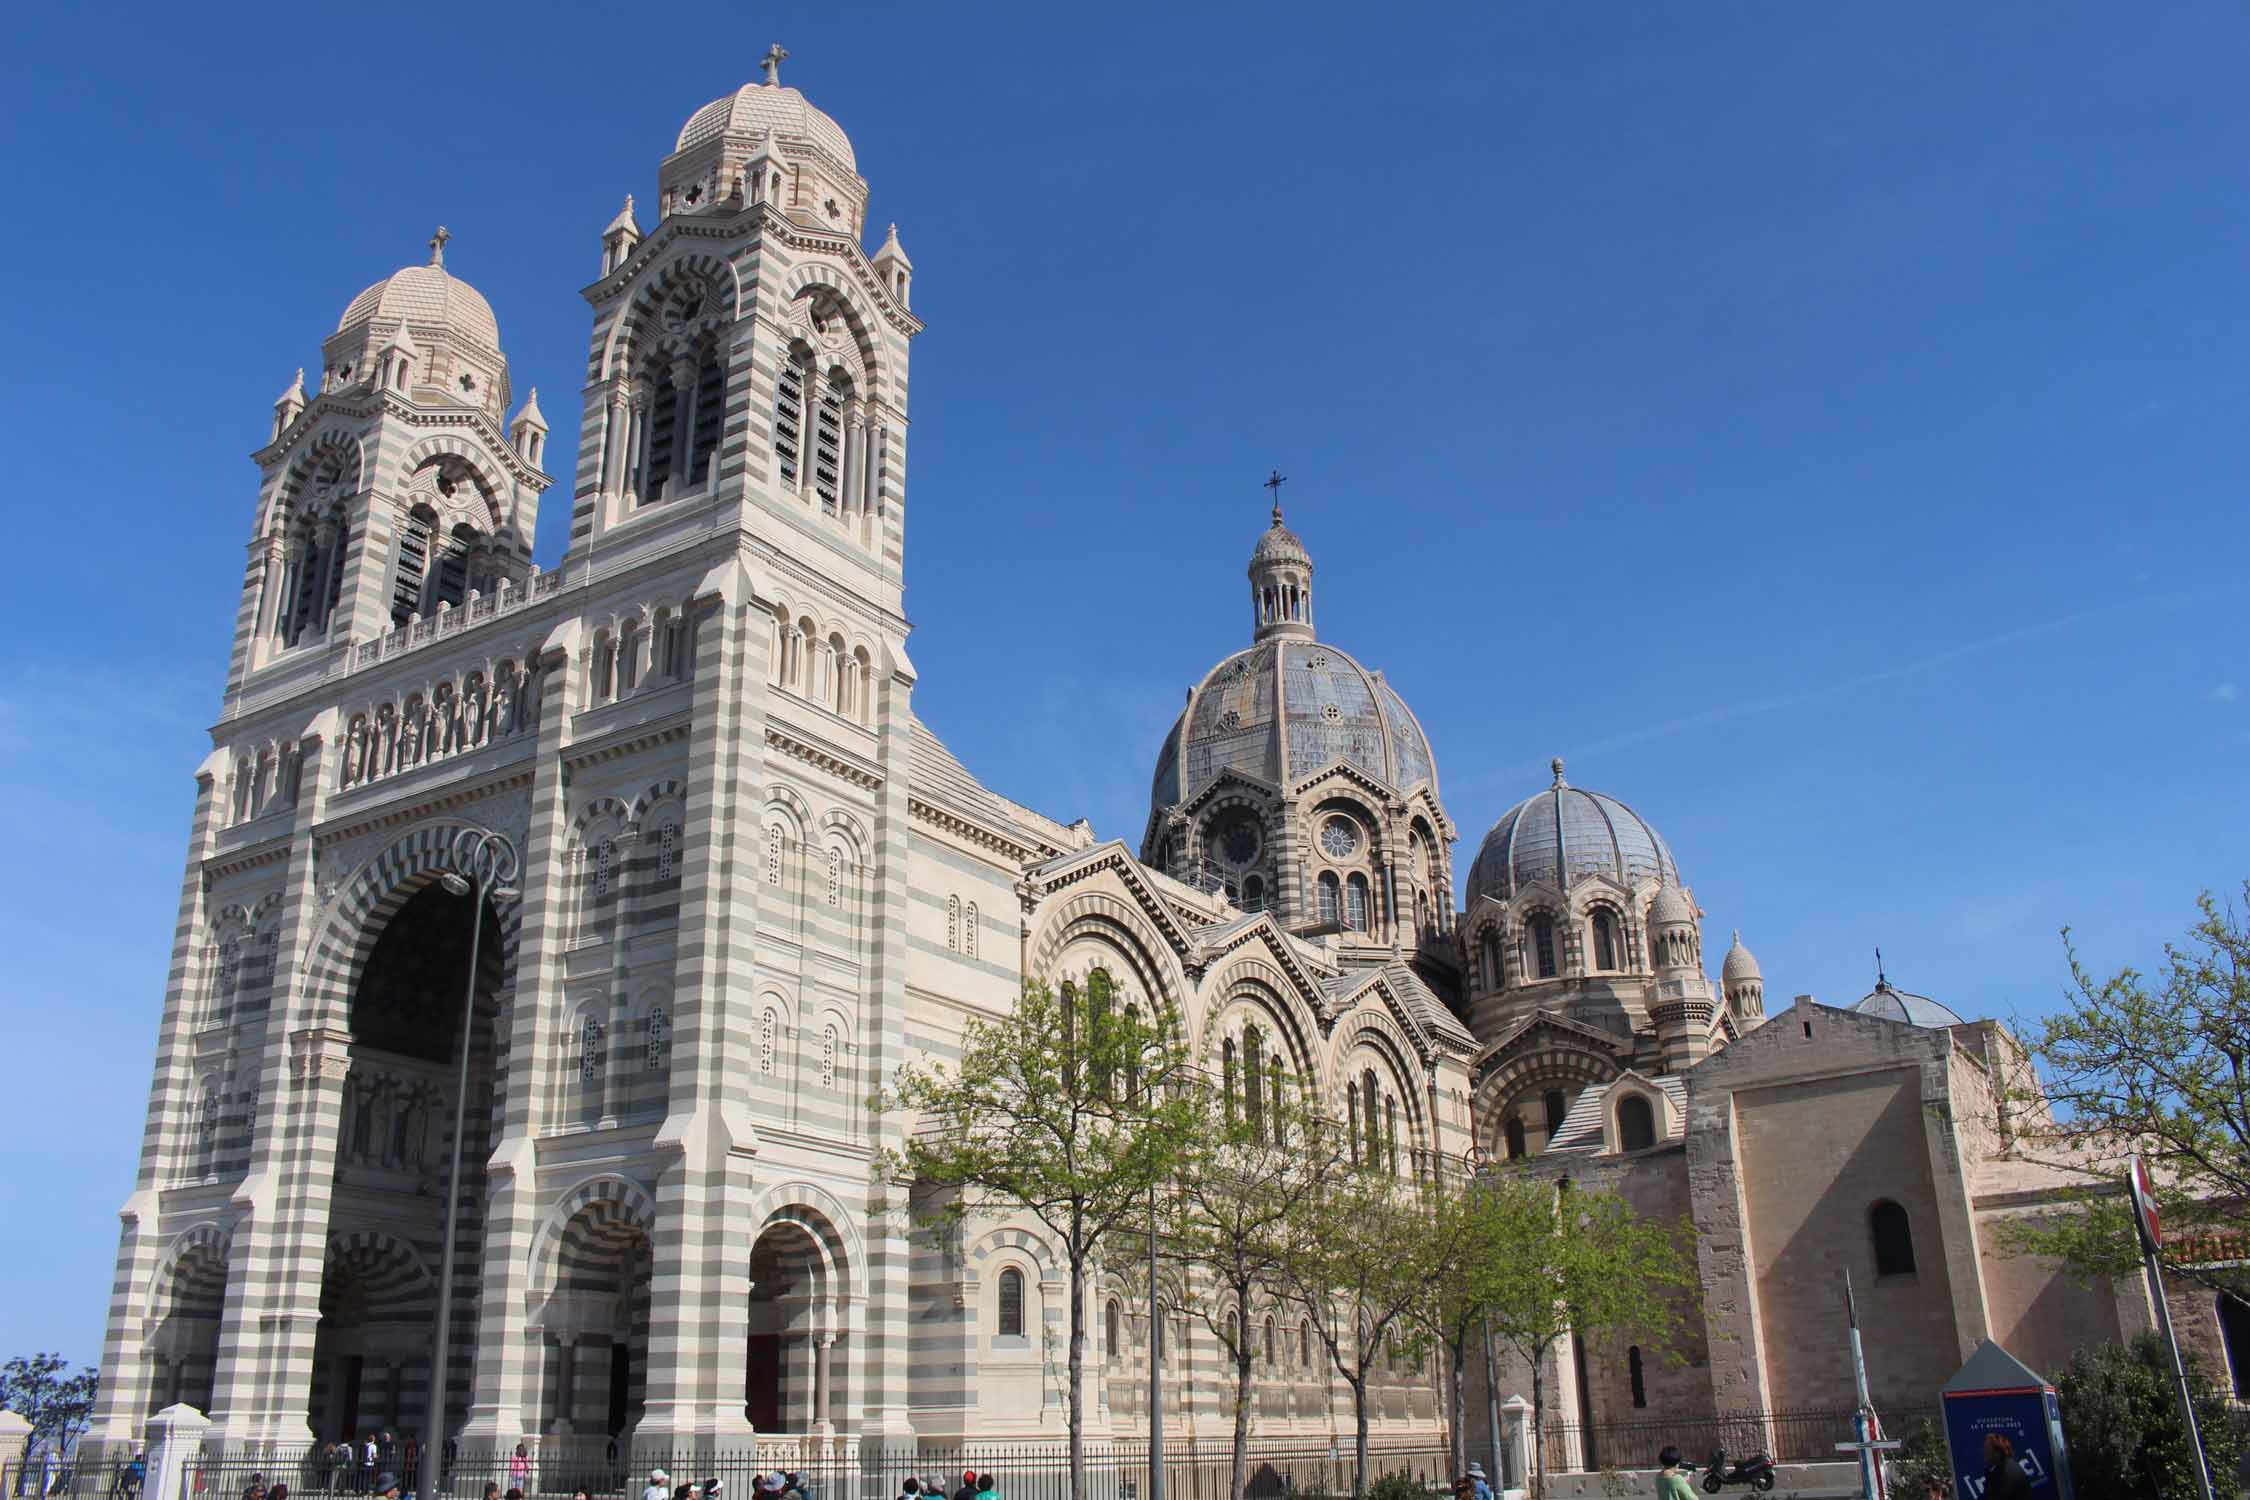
column 1755, row 1471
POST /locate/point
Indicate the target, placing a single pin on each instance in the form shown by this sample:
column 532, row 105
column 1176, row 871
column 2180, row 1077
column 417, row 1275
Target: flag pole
column 1870, row 1487
column 2146, row 1229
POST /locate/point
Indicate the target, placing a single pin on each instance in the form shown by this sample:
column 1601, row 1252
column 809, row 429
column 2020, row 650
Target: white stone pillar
column 1515, row 1427
column 175, row 1435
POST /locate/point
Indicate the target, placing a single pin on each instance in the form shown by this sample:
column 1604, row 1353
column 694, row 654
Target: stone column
column 616, row 433
column 707, row 1144
column 1515, row 1421
column 508, row 1351
column 566, row 1386
column 823, row 1412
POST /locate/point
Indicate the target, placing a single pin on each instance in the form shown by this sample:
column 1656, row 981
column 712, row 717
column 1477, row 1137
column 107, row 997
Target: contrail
column 1749, row 706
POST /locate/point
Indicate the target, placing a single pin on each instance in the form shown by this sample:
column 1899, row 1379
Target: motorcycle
column 1755, row 1471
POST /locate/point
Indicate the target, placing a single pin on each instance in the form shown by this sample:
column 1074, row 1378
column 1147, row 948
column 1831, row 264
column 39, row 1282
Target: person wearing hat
column 1478, row 1483
column 659, row 1486
column 968, row 1490
column 386, row 1487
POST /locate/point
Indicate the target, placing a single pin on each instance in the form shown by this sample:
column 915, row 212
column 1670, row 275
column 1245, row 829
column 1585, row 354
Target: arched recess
column 388, row 966
column 639, row 333
column 1397, row 1133
column 1515, row 1085
column 371, row 1350
column 591, row 1277
column 805, row 1277
column 1103, row 927
column 815, row 284
column 186, row 1300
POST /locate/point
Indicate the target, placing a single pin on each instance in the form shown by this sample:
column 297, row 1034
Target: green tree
column 1560, row 1261
column 1361, row 1264
column 1072, row 1110
column 2121, row 1422
column 41, row 1389
column 1460, row 1290
column 2159, row 1065
column 1246, row 1199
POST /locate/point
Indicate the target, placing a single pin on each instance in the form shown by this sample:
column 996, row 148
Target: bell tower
column 400, row 490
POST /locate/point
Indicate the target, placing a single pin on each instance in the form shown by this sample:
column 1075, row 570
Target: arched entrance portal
column 594, row 1374
column 395, row 1136
column 797, row 1284
column 184, row 1338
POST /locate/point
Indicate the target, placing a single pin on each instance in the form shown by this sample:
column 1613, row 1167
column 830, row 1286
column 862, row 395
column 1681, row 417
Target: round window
column 1339, row 837
column 1236, row 841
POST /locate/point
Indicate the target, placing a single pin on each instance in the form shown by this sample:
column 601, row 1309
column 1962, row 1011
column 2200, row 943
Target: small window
column 1636, row 1124
column 1894, row 1239
column 1356, row 903
column 1514, row 1134
column 1633, row 1369
column 1605, row 939
column 1113, row 1319
column 1543, row 942
column 1331, row 899
column 1011, row 1303
column 2234, row 1332
column 1304, row 1346
column 1269, row 1340
column 1557, row 1104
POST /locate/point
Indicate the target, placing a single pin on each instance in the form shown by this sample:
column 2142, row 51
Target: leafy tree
column 2121, row 1422
column 1246, row 1200
column 1460, row 1290
column 1559, row 1261
column 1924, row 1462
column 1361, row 1265
column 2162, row 1066
column 57, row 1404
column 1072, row 1110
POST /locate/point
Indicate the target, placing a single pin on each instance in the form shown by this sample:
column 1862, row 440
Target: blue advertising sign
column 1996, row 1393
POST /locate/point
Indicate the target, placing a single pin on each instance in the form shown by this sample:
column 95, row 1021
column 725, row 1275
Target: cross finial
column 1274, row 481
column 775, row 56
column 1881, row 982
column 437, row 245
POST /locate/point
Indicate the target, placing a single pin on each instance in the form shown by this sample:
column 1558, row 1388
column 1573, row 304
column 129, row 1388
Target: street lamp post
column 483, row 865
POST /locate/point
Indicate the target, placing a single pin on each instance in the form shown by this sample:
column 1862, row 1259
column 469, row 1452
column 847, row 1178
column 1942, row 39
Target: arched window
column 1633, row 1372
column 1269, row 1340
column 1226, row 1076
column 2234, row 1332
column 835, row 876
column 1556, row 1104
column 789, row 418
column 1488, row 949
column 1011, row 1303
column 659, row 1032
column 1605, row 939
column 1331, row 899
column 1253, row 1083
column 1543, row 944
column 769, row 1041
column 828, row 1050
column 1356, row 903
column 1893, row 1237
column 953, row 924
column 969, row 931
column 1253, row 893
column 1113, row 1319
column 1513, row 1133
column 1371, row 1111
column 1636, row 1124
column 1280, row 1120
column 773, row 853
column 1304, row 1345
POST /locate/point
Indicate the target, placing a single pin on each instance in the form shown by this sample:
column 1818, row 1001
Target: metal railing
column 831, row 1469
column 1785, row 1436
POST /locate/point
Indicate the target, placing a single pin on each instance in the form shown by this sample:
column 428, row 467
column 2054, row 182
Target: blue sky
column 1823, row 426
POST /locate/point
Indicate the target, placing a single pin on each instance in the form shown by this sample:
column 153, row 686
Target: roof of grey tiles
column 1564, row 834
column 1283, row 709
column 1581, row 1131
column 1425, row 1006
column 937, row 774
column 1897, row 1005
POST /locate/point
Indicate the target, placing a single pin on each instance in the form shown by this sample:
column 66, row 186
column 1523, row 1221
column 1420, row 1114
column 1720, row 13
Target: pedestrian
column 278, row 1492
column 968, row 1489
column 386, row 1485
column 519, row 1467
column 988, row 1488
column 368, row 1459
column 910, row 1488
column 1671, row 1483
column 492, row 1489
column 1478, row 1482
column 2004, row 1478
column 659, row 1485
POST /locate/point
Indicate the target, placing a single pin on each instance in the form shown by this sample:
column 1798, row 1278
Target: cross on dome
column 437, row 245
column 775, row 56
column 1275, row 479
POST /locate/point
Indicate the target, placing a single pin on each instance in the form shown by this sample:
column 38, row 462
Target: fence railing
column 1786, row 1436
column 62, row 1479
column 833, row 1469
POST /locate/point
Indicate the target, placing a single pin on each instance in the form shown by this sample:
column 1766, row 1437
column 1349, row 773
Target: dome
column 1564, row 835
column 1740, row 964
column 1284, row 709
column 1671, row 908
column 1897, row 1005
column 427, row 295
column 1279, row 545
column 755, row 108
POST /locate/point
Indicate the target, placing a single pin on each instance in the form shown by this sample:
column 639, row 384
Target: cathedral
column 739, row 883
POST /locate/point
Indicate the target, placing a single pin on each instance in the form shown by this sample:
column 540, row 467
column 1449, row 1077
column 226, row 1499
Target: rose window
column 1338, row 838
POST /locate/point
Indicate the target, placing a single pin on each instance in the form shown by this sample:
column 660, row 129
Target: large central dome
column 1284, row 709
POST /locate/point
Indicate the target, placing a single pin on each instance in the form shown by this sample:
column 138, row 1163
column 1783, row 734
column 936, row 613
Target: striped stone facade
column 752, row 885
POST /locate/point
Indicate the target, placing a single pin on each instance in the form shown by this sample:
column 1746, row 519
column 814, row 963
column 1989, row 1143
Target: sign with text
column 1997, row 1394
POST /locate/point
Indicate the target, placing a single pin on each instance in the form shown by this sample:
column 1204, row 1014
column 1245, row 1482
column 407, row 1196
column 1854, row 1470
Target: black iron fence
column 814, row 1470
column 63, row 1479
column 1786, row 1436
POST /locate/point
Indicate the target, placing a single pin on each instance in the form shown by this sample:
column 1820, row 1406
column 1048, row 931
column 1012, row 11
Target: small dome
column 1563, row 835
column 1671, row 908
column 1279, row 545
column 755, row 108
column 1284, row 709
column 1897, row 1005
column 427, row 295
column 1739, row 964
